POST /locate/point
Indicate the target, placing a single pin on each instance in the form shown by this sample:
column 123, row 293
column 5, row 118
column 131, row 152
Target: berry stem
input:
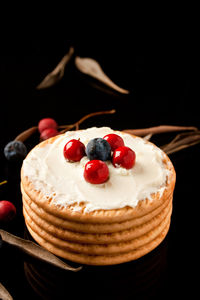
column 3, row 182
column 68, row 127
column 159, row 129
column 182, row 141
column 25, row 134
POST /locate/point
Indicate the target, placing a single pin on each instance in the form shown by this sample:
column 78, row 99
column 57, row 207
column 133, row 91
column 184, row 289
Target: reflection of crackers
column 99, row 237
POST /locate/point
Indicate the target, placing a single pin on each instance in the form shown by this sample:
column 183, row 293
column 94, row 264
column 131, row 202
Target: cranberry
column 47, row 123
column 123, row 157
column 74, row 150
column 114, row 140
column 7, row 211
column 96, row 171
column 48, row 133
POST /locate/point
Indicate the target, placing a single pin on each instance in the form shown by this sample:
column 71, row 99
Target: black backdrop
column 160, row 79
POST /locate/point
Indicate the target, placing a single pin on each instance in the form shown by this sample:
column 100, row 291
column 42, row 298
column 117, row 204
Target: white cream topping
column 55, row 177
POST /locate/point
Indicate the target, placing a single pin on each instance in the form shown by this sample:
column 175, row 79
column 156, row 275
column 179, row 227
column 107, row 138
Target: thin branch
column 158, row 129
column 26, row 134
column 76, row 125
column 181, row 142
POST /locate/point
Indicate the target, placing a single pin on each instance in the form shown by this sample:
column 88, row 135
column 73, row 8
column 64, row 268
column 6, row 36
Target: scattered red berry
column 7, row 211
column 47, row 123
column 74, row 150
column 124, row 157
column 96, row 171
column 48, row 133
column 114, row 140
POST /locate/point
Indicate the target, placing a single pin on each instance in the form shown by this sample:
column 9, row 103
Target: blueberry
column 15, row 150
column 98, row 148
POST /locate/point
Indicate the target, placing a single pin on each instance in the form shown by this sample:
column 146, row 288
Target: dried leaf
column 92, row 68
column 57, row 74
column 35, row 251
column 4, row 294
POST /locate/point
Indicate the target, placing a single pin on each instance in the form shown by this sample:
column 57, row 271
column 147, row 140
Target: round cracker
column 101, row 259
column 96, row 238
column 88, row 227
column 100, row 216
column 99, row 249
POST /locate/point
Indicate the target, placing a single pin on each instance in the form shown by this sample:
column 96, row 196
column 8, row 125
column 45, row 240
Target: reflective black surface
column 161, row 92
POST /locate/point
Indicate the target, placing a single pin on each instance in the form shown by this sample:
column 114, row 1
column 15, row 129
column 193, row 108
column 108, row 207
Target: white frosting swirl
column 50, row 173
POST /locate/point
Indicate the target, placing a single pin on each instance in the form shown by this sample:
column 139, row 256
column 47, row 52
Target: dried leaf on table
column 35, row 250
column 4, row 294
column 92, row 68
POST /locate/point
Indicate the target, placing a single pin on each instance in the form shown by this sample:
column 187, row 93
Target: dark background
column 160, row 77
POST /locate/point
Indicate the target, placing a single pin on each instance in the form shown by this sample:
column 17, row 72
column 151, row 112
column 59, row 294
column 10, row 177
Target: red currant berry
column 96, row 171
column 47, row 123
column 48, row 133
column 114, row 140
column 74, row 150
column 7, row 211
column 123, row 157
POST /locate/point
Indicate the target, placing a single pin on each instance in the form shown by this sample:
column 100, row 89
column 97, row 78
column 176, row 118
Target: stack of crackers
column 101, row 237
